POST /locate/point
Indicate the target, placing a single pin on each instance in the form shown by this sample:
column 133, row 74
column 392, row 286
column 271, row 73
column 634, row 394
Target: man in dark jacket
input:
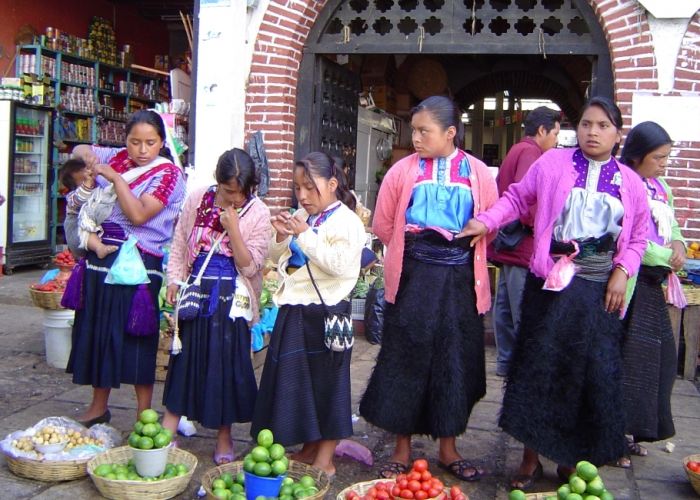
column 541, row 129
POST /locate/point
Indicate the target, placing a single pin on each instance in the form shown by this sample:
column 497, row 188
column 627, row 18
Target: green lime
column 161, row 440
column 286, row 489
column 516, row 495
column 563, row 491
column 227, row 478
column 248, row 464
column 238, row 496
column 574, row 496
column 133, row 476
column 595, row 486
column 102, row 470
column 181, row 469
column 122, row 476
column 138, row 427
column 302, row 493
column 262, row 469
column 307, row 481
column 237, row 488
column 591, row 497
column 218, row 484
column 286, row 497
column 145, row 443
column 265, row 438
column 586, row 470
column 260, row 454
column 134, row 440
column 240, row 478
column 278, row 468
column 276, row 451
column 606, row 495
column 577, row 484
column 288, row 481
column 170, row 468
column 149, row 430
column 221, row 494
column 120, row 468
column 148, row 416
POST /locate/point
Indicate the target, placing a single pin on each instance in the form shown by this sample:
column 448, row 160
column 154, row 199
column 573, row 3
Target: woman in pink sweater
column 563, row 395
column 212, row 379
column 430, row 371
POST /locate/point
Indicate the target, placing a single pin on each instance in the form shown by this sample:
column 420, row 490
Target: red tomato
column 403, row 484
column 400, row 477
column 420, row 495
column 420, row 465
column 350, row 495
column 414, row 476
column 694, row 466
column 437, row 484
column 414, row 486
column 383, row 486
column 425, row 475
column 454, row 491
column 433, row 492
column 406, row 494
column 383, row 495
column 372, row 492
column 396, row 491
column 459, row 497
column 426, row 485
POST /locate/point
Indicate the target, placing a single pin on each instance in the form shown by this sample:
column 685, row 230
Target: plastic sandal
column 389, row 470
column 458, row 467
column 526, row 481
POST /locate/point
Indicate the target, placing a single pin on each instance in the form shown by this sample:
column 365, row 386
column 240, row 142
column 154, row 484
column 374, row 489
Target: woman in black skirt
column 211, row 380
column 563, row 395
column 115, row 334
column 649, row 352
column 431, row 370
column 305, row 387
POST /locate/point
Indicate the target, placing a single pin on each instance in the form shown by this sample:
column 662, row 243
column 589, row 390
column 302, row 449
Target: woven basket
column 693, row 477
column 362, row 488
column 56, row 470
column 296, row 471
column 692, row 295
column 46, row 300
column 139, row 490
column 540, row 496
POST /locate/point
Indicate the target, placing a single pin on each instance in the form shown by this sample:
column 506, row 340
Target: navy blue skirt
column 305, row 388
column 212, row 380
column 103, row 354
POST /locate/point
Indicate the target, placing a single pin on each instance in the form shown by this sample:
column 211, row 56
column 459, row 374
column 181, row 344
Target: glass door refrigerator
column 25, row 181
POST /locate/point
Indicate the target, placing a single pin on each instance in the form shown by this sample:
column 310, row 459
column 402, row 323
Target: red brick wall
column 271, row 98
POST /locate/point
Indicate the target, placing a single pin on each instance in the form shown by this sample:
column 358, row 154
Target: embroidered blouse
column 165, row 182
column 442, row 193
column 593, row 207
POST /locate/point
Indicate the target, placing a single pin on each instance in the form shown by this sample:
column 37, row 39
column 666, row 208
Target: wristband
column 624, row 270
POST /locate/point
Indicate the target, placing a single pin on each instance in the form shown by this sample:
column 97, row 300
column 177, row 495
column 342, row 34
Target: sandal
column 389, row 470
column 636, row 448
column 526, row 481
column 223, row 458
column 458, row 468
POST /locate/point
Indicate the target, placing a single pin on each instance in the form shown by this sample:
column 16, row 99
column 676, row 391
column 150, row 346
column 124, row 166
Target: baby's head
column 72, row 173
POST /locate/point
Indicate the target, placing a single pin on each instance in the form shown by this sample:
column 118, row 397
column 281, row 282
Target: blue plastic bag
column 128, row 268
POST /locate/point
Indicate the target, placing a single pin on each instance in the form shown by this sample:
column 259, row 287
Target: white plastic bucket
column 150, row 463
column 57, row 336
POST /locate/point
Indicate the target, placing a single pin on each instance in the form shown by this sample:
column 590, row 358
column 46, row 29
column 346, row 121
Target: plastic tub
column 58, row 324
column 150, row 463
column 257, row 486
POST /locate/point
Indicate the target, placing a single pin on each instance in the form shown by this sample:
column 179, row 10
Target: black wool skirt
column 212, row 379
column 563, row 394
column 649, row 360
column 305, row 388
column 103, row 354
column 430, row 369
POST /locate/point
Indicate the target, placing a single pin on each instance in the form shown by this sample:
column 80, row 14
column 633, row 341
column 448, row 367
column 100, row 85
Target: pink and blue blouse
column 594, row 207
column 442, row 193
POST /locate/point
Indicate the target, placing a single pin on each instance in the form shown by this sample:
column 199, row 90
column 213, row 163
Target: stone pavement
column 31, row 390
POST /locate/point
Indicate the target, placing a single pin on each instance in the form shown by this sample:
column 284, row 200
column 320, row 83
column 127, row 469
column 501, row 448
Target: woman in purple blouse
column 563, row 392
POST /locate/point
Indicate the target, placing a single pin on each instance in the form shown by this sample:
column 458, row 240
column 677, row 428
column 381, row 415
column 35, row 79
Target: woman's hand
column 279, row 222
column 229, row 219
column 473, row 228
column 677, row 260
column 616, row 290
column 105, row 171
column 85, row 153
column 296, row 226
column 171, row 293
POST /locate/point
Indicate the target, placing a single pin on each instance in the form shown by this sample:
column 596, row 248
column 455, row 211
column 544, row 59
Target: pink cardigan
column 390, row 221
column 255, row 229
column 548, row 183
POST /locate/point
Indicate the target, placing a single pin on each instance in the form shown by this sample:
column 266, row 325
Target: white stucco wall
column 226, row 42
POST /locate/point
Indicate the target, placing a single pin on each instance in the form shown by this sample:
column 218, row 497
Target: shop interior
column 89, row 68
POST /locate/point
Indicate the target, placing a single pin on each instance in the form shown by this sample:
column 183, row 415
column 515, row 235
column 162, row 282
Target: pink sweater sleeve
column 631, row 258
column 256, row 231
column 515, row 202
column 387, row 201
column 178, row 261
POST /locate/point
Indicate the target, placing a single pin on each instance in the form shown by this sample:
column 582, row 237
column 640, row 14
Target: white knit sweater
column 334, row 257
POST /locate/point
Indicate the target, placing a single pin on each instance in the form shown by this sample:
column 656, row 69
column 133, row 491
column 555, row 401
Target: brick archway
column 271, row 93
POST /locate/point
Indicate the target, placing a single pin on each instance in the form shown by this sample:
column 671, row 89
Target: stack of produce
column 228, row 486
column 148, row 433
column 268, row 458
column 584, row 484
column 127, row 472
